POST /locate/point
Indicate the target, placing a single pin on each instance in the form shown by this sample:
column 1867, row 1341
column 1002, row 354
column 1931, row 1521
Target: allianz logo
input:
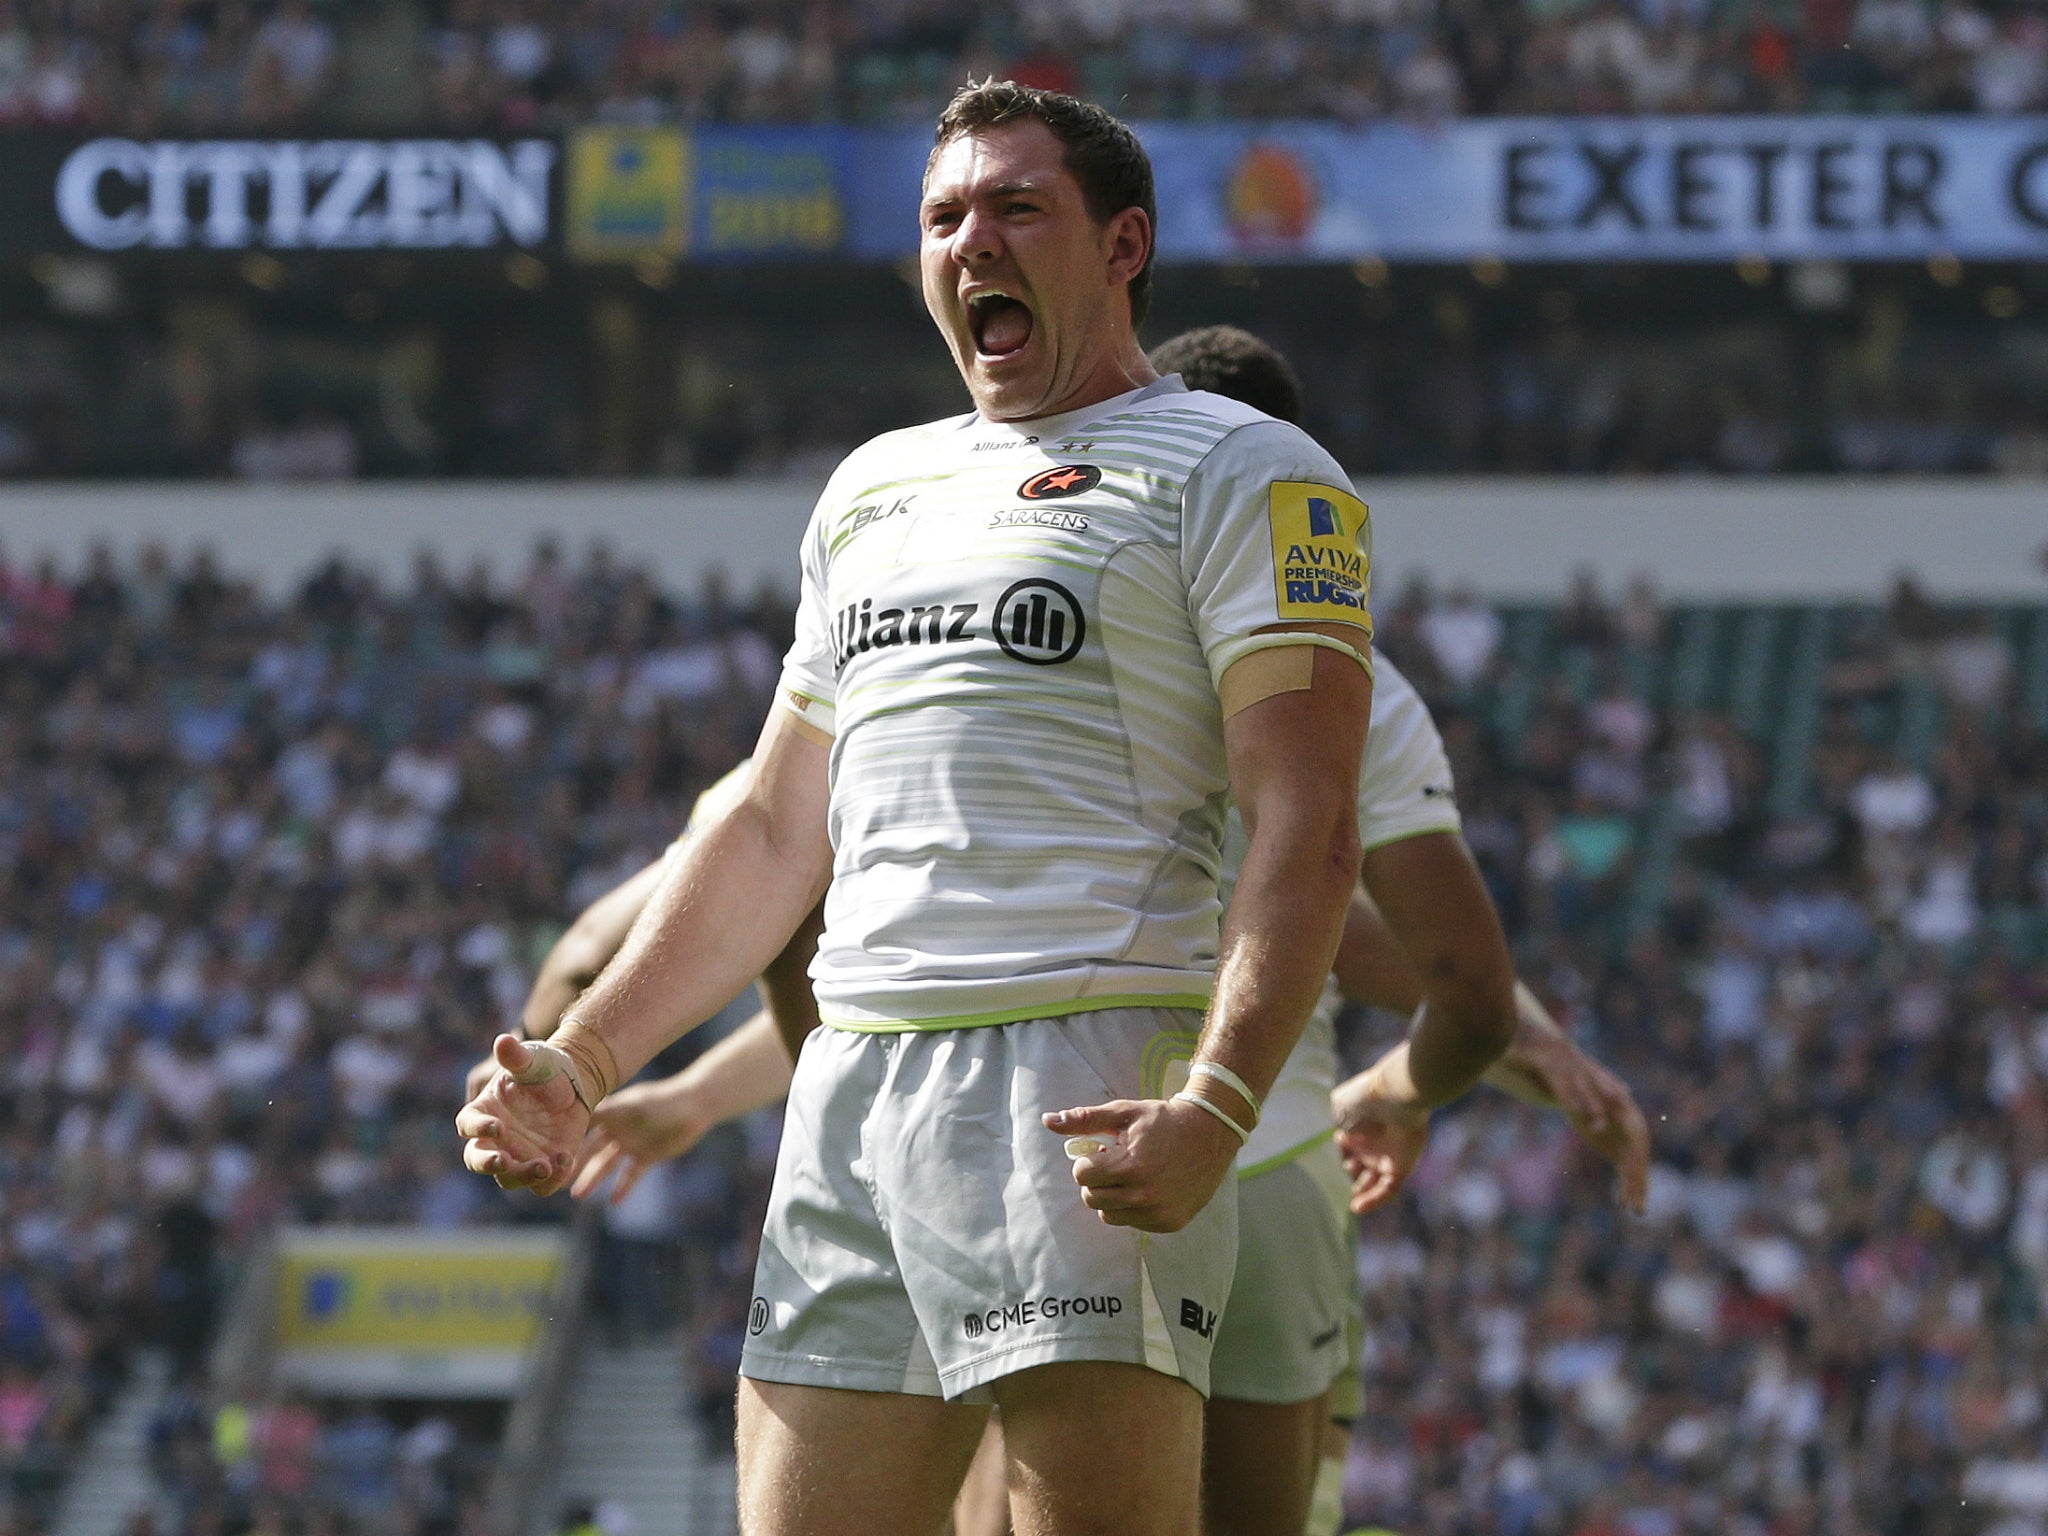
column 1037, row 622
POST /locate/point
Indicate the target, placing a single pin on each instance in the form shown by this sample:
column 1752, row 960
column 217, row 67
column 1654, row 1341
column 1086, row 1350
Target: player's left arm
column 1293, row 756
column 1276, row 561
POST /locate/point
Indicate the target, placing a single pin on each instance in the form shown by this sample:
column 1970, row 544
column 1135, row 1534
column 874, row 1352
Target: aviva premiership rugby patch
column 1322, row 541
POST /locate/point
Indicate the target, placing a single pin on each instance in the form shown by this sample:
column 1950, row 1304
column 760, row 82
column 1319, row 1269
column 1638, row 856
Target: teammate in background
column 1269, row 1367
column 1006, row 736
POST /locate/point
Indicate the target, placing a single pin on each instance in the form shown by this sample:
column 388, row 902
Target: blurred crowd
column 293, row 1465
column 1424, row 374
column 275, row 865
column 297, row 65
column 1834, row 1009
column 272, row 870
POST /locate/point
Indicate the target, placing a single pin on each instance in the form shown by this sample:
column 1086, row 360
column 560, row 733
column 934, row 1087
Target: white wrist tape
column 1230, row 1080
column 549, row 1060
column 1243, row 1136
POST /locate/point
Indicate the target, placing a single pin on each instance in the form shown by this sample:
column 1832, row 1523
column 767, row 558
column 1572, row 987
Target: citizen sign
column 318, row 194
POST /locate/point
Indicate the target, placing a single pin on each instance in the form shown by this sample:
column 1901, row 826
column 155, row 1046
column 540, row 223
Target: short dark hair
column 1102, row 154
column 1227, row 361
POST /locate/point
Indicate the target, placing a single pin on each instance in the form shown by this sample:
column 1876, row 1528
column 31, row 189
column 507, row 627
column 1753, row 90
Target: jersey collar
column 1045, row 428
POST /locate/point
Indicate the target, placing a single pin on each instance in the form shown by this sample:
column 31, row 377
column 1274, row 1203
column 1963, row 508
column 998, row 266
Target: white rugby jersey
column 1404, row 790
column 1014, row 634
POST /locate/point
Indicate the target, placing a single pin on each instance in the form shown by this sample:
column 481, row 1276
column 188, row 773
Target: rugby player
column 1279, row 1309
column 1007, row 735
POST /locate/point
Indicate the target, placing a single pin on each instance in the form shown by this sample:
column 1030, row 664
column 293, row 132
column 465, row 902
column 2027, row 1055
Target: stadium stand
column 483, row 64
column 1539, row 371
column 275, row 869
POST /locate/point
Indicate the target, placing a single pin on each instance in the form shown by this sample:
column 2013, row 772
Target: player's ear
column 1127, row 238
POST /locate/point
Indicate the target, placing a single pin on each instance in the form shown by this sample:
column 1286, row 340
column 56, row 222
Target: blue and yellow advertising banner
column 769, row 192
column 629, row 193
column 711, row 193
column 401, row 1310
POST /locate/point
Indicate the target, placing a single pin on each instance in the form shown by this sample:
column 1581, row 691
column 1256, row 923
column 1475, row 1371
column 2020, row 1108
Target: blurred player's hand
column 633, row 1130
column 1167, row 1162
column 478, row 1078
column 1598, row 1105
column 526, row 1126
column 1380, row 1140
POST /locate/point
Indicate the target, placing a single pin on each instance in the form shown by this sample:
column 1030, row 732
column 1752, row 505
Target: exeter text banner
column 1564, row 189
column 402, row 1312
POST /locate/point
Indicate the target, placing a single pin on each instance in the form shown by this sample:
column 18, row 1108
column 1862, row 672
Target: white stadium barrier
column 1696, row 538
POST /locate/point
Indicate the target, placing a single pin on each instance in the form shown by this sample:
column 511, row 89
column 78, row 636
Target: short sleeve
column 809, row 684
column 1405, row 787
column 1272, row 533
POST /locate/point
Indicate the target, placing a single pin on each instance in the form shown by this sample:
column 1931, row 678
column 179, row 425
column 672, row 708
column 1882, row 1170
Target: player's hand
column 633, row 1130
column 1599, row 1107
column 525, row 1128
column 1381, row 1140
column 478, row 1078
column 1167, row 1162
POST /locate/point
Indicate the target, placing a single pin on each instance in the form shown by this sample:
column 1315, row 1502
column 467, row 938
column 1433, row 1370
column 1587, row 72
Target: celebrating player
column 1037, row 647
column 1275, row 1354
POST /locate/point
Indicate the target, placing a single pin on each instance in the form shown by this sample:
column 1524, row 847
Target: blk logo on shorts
column 757, row 1315
column 1055, row 484
column 1193, row 1315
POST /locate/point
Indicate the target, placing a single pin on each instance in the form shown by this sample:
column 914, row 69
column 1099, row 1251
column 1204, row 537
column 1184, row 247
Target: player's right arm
column 721, row 912
column 641, row 1125
column 584, row 949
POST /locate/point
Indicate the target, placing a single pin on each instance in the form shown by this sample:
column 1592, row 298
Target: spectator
column 1974, row 665
column 1463, row 635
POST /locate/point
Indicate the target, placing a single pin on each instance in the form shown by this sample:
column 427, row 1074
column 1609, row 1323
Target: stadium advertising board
column 771, row 192
column 1566, row 189
column 628, row 193
column 1527, row 189
column 412, row 1313
column 117, row 195
column 708, row 194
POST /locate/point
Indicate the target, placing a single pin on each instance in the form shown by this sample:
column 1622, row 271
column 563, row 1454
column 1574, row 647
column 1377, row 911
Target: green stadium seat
column 1799, row 717
column 1752, row 669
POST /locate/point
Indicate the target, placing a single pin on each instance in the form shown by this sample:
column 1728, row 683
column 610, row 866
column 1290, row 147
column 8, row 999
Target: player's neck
column 1117, row 374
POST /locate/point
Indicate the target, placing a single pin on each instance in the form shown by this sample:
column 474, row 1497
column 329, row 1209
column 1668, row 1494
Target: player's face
column 1024, row 284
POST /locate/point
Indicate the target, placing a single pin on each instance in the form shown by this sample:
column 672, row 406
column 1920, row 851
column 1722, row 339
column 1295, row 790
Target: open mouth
column 1001, row 324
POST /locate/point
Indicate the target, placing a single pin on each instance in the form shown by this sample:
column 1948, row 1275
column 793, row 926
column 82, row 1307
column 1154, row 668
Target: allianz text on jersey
column 297, row 194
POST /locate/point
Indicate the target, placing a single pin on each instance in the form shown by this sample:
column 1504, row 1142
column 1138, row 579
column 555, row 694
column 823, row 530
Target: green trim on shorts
column 1161, row 1052
column 1282, row 1159
column 1016, row 1015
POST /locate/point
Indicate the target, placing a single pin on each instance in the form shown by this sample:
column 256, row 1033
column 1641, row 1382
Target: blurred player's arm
column 1437, row 908
column 641, row 1125
column 585, row 948
column 1293, row 758
column 1541, row 1065
column 724, row 908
